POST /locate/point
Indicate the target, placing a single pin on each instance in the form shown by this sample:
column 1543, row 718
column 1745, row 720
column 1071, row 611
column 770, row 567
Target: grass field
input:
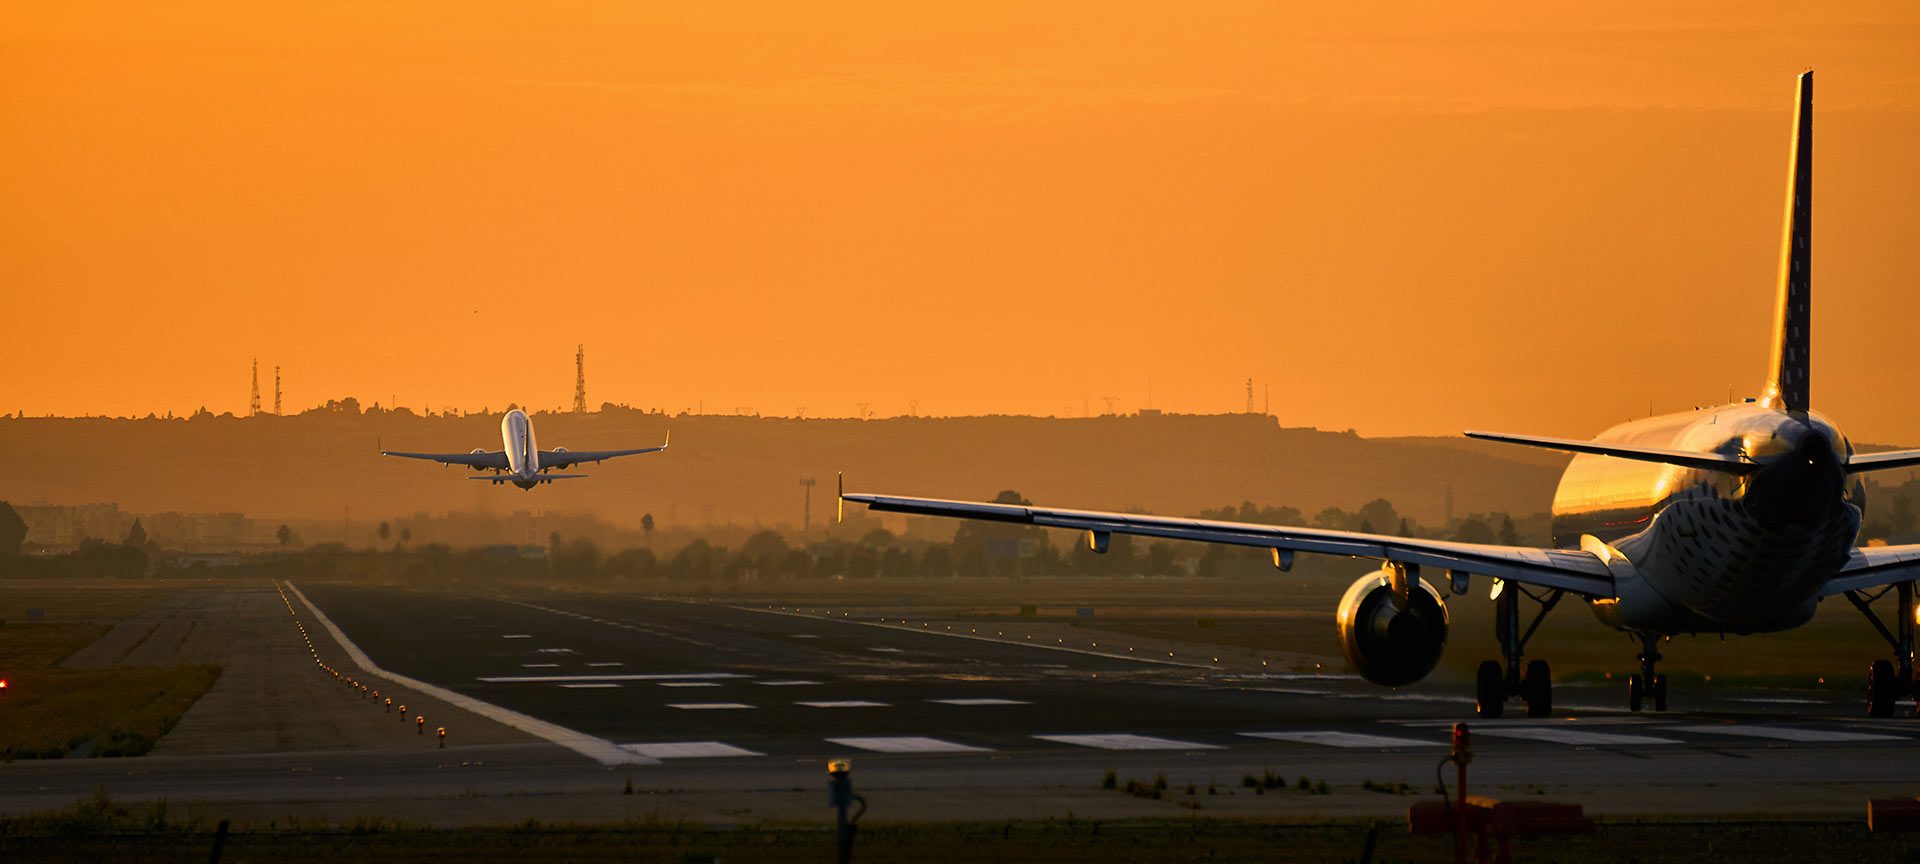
column 49, row 711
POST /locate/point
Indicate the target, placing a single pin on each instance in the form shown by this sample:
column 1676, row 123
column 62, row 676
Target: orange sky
column 1402, row 218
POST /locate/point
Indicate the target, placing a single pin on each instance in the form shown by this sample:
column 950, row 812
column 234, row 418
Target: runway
column 708, row 681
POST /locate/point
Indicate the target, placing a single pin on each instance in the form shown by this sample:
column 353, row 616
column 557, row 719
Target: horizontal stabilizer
column 538, row 478
column 1686, row 458
column 1883, row 461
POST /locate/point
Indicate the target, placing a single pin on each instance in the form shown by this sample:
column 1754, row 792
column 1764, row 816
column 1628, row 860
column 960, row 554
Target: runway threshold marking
column 609, row 676
column 688, row 750
column 1127, row 742
column 1562, row 735
column 1344, row 739
column 907, row 744
column 598, row 749
column 1782, row 733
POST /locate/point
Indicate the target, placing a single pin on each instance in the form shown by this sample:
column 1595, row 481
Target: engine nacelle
column 1386, row 644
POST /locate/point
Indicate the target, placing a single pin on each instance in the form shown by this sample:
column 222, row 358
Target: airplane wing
column 570, row 458
column 1575, row 571
column 483, row 459
column 1874, row 566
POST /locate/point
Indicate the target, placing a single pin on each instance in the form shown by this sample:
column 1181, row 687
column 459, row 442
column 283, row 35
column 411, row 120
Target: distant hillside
column 745, row 470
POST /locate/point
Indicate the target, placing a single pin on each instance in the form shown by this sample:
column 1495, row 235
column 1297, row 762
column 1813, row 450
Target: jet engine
column 1386, row 643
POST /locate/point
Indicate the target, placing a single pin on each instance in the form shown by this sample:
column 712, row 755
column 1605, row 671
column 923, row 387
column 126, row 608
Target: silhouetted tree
column 646, row 528
column 13, row 531
column 285, row 535
column 137, row 536
column 1509, row 536
column 1474, row 531
column 385, row 531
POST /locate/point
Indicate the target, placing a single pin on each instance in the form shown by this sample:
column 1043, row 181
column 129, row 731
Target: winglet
column 1787, row 385
column 667, row 440
column 840, row 497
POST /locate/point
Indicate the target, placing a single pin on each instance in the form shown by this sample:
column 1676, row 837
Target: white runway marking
column 589, row 686
column 709, row 706
column 1779, row 700
column 1126, row 742
column 689, row 683
column 558, row 651
column 618, row 676
column 885, row 650
column 804, row 636
column 539, row 665
column 845, row 703
column 517, row 636
column 1781, row 733
column 981, row 701
column 795, row 683
column 1345, row 739
column 603, row 665
column 687, row 750
column 907, row 744
column 1563, row 735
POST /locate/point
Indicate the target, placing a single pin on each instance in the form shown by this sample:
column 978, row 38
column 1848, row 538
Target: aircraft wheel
column 1538, row 689
column 1636, row 691
column 1490, row 690
column 1882, row 688
column 1659, row 692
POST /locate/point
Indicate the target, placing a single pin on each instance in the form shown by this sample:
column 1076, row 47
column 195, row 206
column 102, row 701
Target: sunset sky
column 1400, row 217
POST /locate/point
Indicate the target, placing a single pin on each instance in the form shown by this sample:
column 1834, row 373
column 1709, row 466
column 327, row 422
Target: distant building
column 62, row 526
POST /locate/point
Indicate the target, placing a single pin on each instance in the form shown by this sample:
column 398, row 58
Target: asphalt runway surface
column 705, row 681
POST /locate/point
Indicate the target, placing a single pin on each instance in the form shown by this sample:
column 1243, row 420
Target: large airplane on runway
column 522, row 462
column 1737, row 519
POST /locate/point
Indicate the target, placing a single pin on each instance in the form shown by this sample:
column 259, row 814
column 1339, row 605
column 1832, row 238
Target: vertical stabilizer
column 1792, row 318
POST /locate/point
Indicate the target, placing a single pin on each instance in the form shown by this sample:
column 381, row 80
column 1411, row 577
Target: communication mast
column 253, row 402
column 276, row 391
column 580, row 380
column 1249, row 395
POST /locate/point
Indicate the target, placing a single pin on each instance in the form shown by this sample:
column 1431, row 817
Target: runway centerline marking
column 907, row 744
column 516, row 636
column 688, row 750
column 1127, row 742
column 611, row 676
column 844, row 703
column 981, row 701
column 1344, row 739
column 709, row 706
column 539, row 665
column 590, row 686
column 794, row 683
column 688, row 683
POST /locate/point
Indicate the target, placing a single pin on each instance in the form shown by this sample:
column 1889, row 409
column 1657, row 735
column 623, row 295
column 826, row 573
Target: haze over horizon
column 1402, row 220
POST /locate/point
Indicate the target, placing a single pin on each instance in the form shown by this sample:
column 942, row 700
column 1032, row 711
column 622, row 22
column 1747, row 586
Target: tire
column 1538, row 689
column 1490, row 690
column 1659, row 692
column 1883, row 687
column 1636, row 691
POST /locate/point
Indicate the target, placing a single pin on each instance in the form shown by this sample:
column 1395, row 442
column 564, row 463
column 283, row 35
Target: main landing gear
column 1648, row 684
column 1494, row 685
column 1888, row 680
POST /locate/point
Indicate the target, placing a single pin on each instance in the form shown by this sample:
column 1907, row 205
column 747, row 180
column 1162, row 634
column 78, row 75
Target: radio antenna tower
column 1249, row 395
column 580, row 380
column 276, row 391
column 253, row 402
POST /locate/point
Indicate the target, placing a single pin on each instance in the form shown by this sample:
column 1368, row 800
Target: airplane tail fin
column 1787, row 388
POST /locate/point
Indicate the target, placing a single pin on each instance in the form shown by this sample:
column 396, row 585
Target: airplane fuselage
column 1710, row 551
column 523, row 452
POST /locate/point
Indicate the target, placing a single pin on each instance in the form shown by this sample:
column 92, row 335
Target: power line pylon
column 253, row 402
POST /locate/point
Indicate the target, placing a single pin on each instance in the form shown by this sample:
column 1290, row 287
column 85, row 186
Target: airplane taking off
column 1738, row 519
column 523, row 463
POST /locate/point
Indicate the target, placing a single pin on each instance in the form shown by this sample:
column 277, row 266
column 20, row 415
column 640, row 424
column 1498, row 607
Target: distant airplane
column 523, row 463
column 1737, row 519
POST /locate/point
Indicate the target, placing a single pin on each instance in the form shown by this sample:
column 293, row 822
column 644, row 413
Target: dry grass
column 51, row 713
